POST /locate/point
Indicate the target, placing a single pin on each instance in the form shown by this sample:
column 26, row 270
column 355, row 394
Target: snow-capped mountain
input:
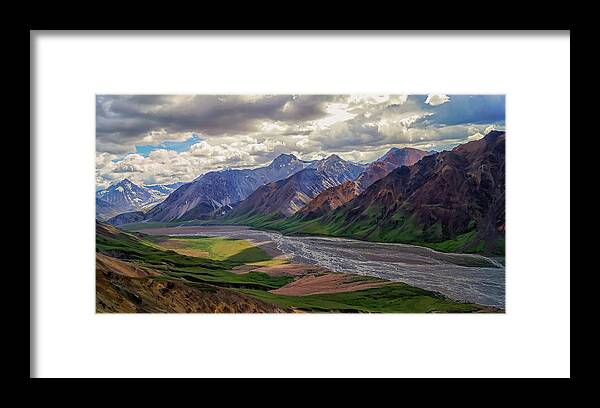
column 215, row 189
column 286, row 197
column 126, row 196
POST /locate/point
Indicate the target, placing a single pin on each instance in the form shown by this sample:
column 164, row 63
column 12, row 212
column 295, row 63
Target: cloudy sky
column 165, row 139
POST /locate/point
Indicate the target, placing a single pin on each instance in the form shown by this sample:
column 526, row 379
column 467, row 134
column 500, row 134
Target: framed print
column 289, row 204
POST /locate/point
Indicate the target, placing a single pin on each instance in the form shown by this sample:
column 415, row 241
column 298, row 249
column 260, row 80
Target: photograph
column 274, row 203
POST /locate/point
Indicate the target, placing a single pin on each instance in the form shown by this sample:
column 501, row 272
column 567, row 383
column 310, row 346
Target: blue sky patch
column 179, row 147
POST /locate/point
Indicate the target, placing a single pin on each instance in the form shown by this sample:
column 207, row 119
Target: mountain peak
column 123, row 183
column 125, row 196
column 394, row 158
column 333, row 158
column 402, row 155
column 391, row 152
column 493, row 135
column 329, row 163
column 283, row 159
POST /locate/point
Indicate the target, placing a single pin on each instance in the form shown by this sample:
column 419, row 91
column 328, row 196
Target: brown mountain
column 393, row 159
column 453, row 200
column 329, row 200
column 130, row 278
column 334, row 197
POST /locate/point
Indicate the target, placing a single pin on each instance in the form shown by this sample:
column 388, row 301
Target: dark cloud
column 127, row 119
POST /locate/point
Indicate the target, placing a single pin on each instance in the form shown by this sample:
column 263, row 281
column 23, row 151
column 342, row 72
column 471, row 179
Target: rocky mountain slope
column 334, row 197
column 104, row 210
column 393, row 159
column 453, row 200
column 126, row 218
column 285, row 197
column 329, row 200
column 131, row 278
column 216, row 189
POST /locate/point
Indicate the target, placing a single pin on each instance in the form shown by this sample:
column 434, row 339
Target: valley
column 139, row 272
column 465, row 277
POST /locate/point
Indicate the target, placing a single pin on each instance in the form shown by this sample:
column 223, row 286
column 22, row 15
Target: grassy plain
column 210, row 260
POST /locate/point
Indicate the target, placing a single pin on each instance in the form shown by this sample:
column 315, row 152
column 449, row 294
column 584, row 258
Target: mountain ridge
column 336, row 196
column 453, row 198
column 451, row 201
column 202, row 198
column 285, row 197
column 394, row 158
column 212, row 190
column 329, row 199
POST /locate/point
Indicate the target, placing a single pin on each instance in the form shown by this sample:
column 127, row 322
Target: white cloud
column 168, row 166
column 371, row 100
column 489, row 129
column 436, row 99
column 363, row 143
column 393, row 124
column 307, row 144
column 360, row 128
column 474, row 136
column 203, row 148
column 338, row 112
column 159, row 136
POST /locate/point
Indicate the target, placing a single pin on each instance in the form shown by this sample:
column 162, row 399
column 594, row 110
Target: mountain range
column 336, row 196
column 449, row 200
column 126, row 196
column 214, row 190
column 285, row 197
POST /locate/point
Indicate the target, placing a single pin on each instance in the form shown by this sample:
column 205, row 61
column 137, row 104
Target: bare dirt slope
column 108, row 263
column 119, row 290
column 282, row 270
column 328, row 283
column 329, row 200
